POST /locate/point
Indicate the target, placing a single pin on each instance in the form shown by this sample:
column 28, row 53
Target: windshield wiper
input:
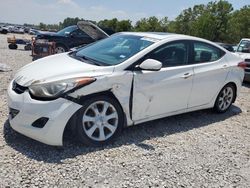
column 92, row 61
column 84, row 59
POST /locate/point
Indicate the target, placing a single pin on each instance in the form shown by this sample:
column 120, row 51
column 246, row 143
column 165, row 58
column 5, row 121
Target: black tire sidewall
column 12, row 46
column 216, row 105
column 82, row 136
column 62, row 46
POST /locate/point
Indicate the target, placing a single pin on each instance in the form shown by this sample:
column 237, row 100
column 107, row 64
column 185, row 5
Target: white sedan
column 122, row 80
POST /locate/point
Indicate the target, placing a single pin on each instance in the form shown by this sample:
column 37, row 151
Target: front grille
column 18, row 88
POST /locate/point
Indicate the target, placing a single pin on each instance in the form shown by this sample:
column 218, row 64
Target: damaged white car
column 123, row 80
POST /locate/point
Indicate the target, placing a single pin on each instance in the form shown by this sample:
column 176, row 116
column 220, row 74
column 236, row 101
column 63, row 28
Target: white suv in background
column 243, row 50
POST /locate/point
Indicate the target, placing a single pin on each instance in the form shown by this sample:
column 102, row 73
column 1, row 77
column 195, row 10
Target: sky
column 54, row 11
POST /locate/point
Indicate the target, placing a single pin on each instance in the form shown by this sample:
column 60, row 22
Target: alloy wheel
column 100, row 120
column 59, row 49
column 225, row 98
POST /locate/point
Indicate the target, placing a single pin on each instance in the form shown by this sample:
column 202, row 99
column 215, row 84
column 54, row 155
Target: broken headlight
column 53, row 90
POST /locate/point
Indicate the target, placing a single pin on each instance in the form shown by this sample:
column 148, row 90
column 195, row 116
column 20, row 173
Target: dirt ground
column 198, row 149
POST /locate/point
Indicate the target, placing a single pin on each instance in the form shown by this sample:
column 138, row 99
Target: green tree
column 124, row 25
column 68, row 22
column 116, row 25
column 239, row 25
column 152, row 24
column 207, row 21
column 42, row 26
column 111, row 24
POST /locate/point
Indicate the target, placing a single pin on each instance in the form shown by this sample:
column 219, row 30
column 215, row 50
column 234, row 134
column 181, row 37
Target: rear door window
column 204, row 53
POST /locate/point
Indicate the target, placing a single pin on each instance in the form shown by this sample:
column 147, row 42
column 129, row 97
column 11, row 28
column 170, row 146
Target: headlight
column 55, row 89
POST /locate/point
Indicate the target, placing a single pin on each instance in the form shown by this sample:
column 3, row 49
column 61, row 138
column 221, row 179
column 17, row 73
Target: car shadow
column 132, row 135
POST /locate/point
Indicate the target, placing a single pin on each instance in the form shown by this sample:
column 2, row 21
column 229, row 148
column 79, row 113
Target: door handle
column 187, row 75
column 224, row 66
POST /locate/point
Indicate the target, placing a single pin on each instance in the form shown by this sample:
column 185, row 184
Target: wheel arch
column 71, row 124
column 62, row 44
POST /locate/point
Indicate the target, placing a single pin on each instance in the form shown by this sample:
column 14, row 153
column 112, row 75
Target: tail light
column 242, row 65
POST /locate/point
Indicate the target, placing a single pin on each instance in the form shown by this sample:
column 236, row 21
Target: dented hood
column 92, row 30
column 56, row 68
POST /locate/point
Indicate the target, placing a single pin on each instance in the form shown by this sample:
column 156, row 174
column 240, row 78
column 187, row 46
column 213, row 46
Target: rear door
column 210, row 71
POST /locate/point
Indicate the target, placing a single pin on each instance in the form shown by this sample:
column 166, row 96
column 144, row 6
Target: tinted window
column 79, row 33
column 171, row 54
column 244, row 46
column 206, row 53
column 67, row 30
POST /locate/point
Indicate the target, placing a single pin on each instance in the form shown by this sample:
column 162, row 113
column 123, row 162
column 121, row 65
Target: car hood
column 58, row 67
column 92, row 30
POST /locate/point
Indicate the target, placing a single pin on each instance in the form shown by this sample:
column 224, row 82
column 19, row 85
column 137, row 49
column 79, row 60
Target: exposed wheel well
column 63, row 45
column 71, row 124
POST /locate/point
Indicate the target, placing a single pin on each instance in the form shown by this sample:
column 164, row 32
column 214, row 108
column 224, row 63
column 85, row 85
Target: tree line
column 215, row 21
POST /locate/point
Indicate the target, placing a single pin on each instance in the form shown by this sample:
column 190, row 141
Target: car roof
column 162, row 35
column 168, row 36
column 248, row 39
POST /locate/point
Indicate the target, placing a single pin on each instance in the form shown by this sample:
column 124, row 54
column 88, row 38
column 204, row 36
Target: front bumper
column 57, row 111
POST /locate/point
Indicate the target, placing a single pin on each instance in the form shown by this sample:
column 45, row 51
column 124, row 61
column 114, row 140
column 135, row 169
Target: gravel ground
column 199, row 149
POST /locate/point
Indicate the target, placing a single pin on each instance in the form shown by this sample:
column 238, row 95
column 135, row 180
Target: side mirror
column 151, row 65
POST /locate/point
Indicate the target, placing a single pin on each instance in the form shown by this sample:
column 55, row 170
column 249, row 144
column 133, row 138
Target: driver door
column 156, row 93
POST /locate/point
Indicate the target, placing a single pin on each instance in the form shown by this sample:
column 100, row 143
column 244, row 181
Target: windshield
column 114, row 50
column 67, row 30
column 244, row 46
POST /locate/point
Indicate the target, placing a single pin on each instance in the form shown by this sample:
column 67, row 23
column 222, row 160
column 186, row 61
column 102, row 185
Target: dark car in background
column 229, row 47
column 68, row 38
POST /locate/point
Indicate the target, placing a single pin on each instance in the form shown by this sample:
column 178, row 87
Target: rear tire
column 60, row 49
column 99, row 121
column 225, row 98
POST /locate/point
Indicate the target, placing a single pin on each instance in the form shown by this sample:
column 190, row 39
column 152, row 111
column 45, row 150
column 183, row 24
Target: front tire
column 99, row 121
column 225, row 98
